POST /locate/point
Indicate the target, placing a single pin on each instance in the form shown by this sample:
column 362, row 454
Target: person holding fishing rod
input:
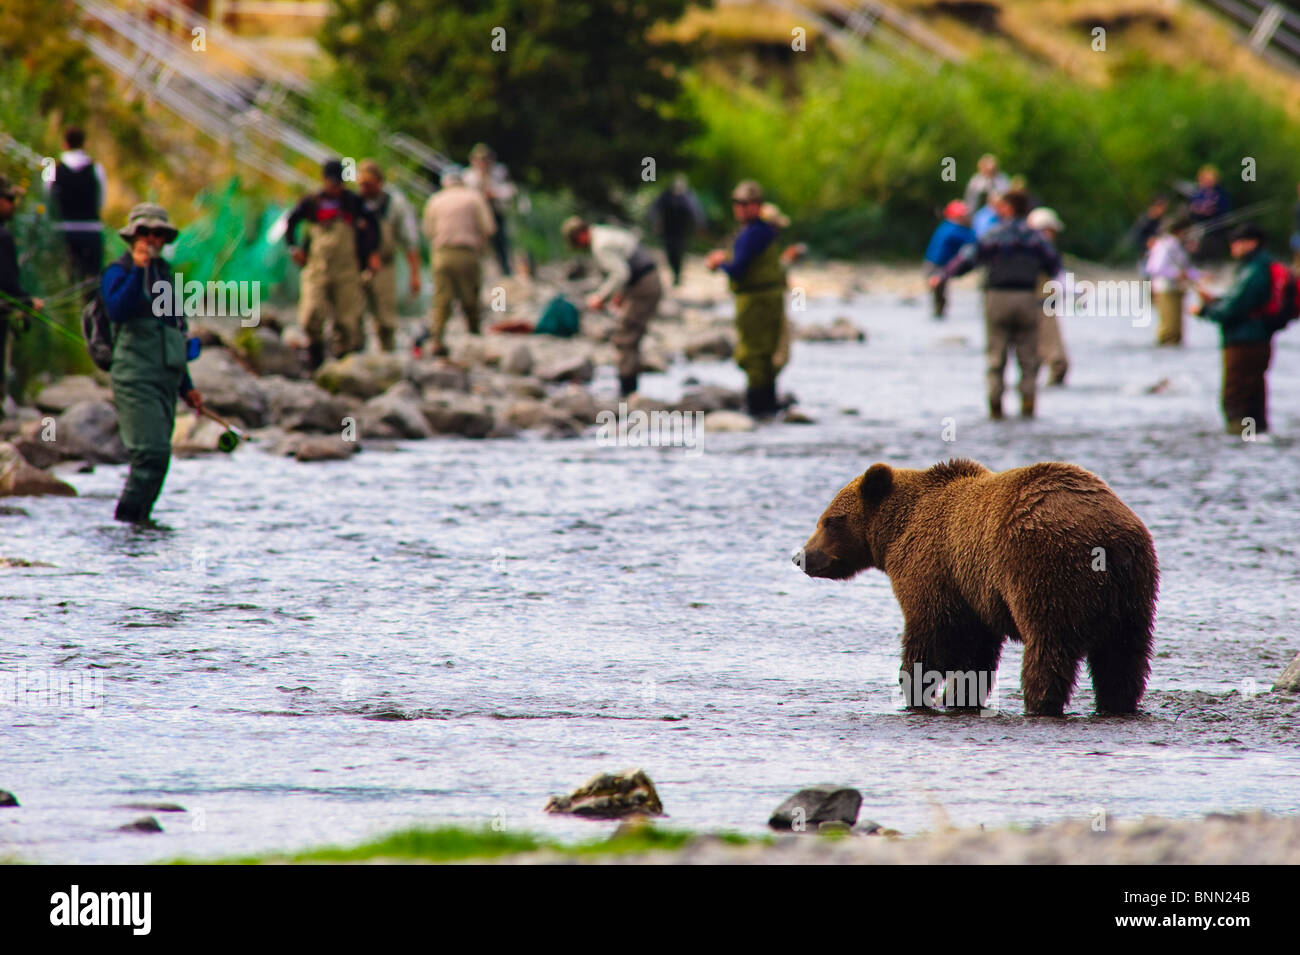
column 11, row 286
column 149, row 357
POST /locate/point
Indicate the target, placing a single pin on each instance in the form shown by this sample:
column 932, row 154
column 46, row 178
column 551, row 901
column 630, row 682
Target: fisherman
column 946, row 241
column 397, row 229
column 13, row 297
column 342, row 241
column 676, row 215
column 1247, row 339
column 459, row 225
column 1051, row 346
column 987, row 183
column 757, row 279
column 1015, row 256
column 1170, row 269
column 631, row 284
column 493, row 180
column 76, row 194
column 149, row 355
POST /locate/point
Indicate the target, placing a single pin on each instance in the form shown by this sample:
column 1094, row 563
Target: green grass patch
column 458, row 844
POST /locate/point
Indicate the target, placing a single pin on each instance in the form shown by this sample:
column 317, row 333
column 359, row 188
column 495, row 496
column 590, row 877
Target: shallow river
column 456, row 630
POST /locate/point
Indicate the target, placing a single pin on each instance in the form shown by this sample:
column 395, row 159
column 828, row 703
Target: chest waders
column 381, row 290
column 148, row 365
column 331, row 288
column 760, row 319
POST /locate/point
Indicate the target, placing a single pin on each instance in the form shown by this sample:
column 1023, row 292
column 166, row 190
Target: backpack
column 1283, row 304
column 97, row 331
column 560, row 318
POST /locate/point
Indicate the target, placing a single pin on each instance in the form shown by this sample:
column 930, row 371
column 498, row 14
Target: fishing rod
column 32, row 313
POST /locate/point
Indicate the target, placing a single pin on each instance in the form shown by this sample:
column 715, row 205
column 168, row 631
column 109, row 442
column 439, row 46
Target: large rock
column 88, row 430
column 304, row 406
column 1289, row 681
column 18, row 478
column 397, row 410
column 577, row 368
column 361, row 375
column 267, row 353
column 518, row 360
column 723, row 421
column 714, row 343
column 229, row 388
column 809, row 808
column 449, row 412
column 840, row 330
column 611, row 796
column 316, row 447
column 577, row 403
column 66, row 392
column 708, row 398
column 439, row 375
column 40, row 454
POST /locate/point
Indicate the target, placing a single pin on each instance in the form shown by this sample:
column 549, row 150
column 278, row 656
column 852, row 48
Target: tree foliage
column 579, row 97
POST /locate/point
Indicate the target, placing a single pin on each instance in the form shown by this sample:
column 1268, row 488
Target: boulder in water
column 611, row 796
column 7, row 799
column 58, row 397
column 88, row 431
column 228, row 388
column 809, row 808
column 361, row 375
column 397, row 410
column 18, row 478
column 1289, row 681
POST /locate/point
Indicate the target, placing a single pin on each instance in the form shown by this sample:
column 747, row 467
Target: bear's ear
column 876, row 482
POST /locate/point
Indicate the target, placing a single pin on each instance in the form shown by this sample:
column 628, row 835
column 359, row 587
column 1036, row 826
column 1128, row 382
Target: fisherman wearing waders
column 149, row 356
column 12, row 293
column 757, row 278
column 397, row 229
column 342, row 242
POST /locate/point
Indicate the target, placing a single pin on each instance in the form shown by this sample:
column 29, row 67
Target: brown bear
column 1045, row 554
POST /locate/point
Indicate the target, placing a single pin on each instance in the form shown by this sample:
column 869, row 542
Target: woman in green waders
column 149, row 355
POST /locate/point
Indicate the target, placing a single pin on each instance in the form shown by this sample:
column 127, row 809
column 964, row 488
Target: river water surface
column 455, row 630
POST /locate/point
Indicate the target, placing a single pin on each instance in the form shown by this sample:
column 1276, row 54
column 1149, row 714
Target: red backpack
column 1283, row 304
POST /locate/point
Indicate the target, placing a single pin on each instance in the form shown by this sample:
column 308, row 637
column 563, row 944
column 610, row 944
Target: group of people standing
column 1016, row 244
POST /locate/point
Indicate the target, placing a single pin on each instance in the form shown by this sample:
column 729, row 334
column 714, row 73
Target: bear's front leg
column 921, row 682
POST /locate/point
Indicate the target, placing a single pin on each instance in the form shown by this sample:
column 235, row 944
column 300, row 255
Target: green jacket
column 1250, row 290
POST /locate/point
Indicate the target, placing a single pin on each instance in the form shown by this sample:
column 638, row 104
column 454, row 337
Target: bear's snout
column 815, row 562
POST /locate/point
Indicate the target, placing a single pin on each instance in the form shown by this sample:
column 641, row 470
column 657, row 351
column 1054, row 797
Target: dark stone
column 143, row 824
column 809, row 808
column 7, row 798
column 611, row 796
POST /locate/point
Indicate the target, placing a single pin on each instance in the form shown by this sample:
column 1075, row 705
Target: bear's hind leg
column 1047, row 675
column 1120, row 666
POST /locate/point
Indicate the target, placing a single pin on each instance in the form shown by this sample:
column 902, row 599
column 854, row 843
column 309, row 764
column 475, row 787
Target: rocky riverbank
column 490, row 386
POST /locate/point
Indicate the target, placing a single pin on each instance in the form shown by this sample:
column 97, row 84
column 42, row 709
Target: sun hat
column 148, row 215
column 1044, row 217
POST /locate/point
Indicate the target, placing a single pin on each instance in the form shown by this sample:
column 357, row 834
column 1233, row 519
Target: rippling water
column 455, row 630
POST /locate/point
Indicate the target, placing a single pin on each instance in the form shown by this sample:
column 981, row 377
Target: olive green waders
column 148, row 366
column 760, row 325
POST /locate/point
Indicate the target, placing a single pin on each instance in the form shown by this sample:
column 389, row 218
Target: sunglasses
column 153, row 233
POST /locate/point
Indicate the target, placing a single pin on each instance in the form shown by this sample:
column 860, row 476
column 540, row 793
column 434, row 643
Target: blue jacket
column 128, row 292
column 947, row 240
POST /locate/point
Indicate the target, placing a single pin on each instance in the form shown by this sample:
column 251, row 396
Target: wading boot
column 995, row 410
column 626, row 385
column 315, row 355
column 1026, row 407
column 129, row 512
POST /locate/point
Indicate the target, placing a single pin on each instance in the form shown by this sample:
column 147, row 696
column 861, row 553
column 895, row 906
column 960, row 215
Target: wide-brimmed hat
column 1044, row 217
column 571, row 227
column 148, row 215
column 747, row 191
column 10, row 191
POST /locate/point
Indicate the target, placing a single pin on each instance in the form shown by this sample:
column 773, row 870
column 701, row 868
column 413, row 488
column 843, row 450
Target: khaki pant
column 381, row 299
column 331, row 289
column 1245, row 391
column 1051, row 348
column 640, row 302
column 1169, row 308
column 457, row 273
column 1012, row 319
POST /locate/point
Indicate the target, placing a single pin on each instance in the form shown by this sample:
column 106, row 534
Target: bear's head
column 868, row 514
column 841, row 545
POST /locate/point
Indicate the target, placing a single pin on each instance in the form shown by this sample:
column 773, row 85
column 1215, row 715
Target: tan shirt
column 458, row 216
column 612, row 247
